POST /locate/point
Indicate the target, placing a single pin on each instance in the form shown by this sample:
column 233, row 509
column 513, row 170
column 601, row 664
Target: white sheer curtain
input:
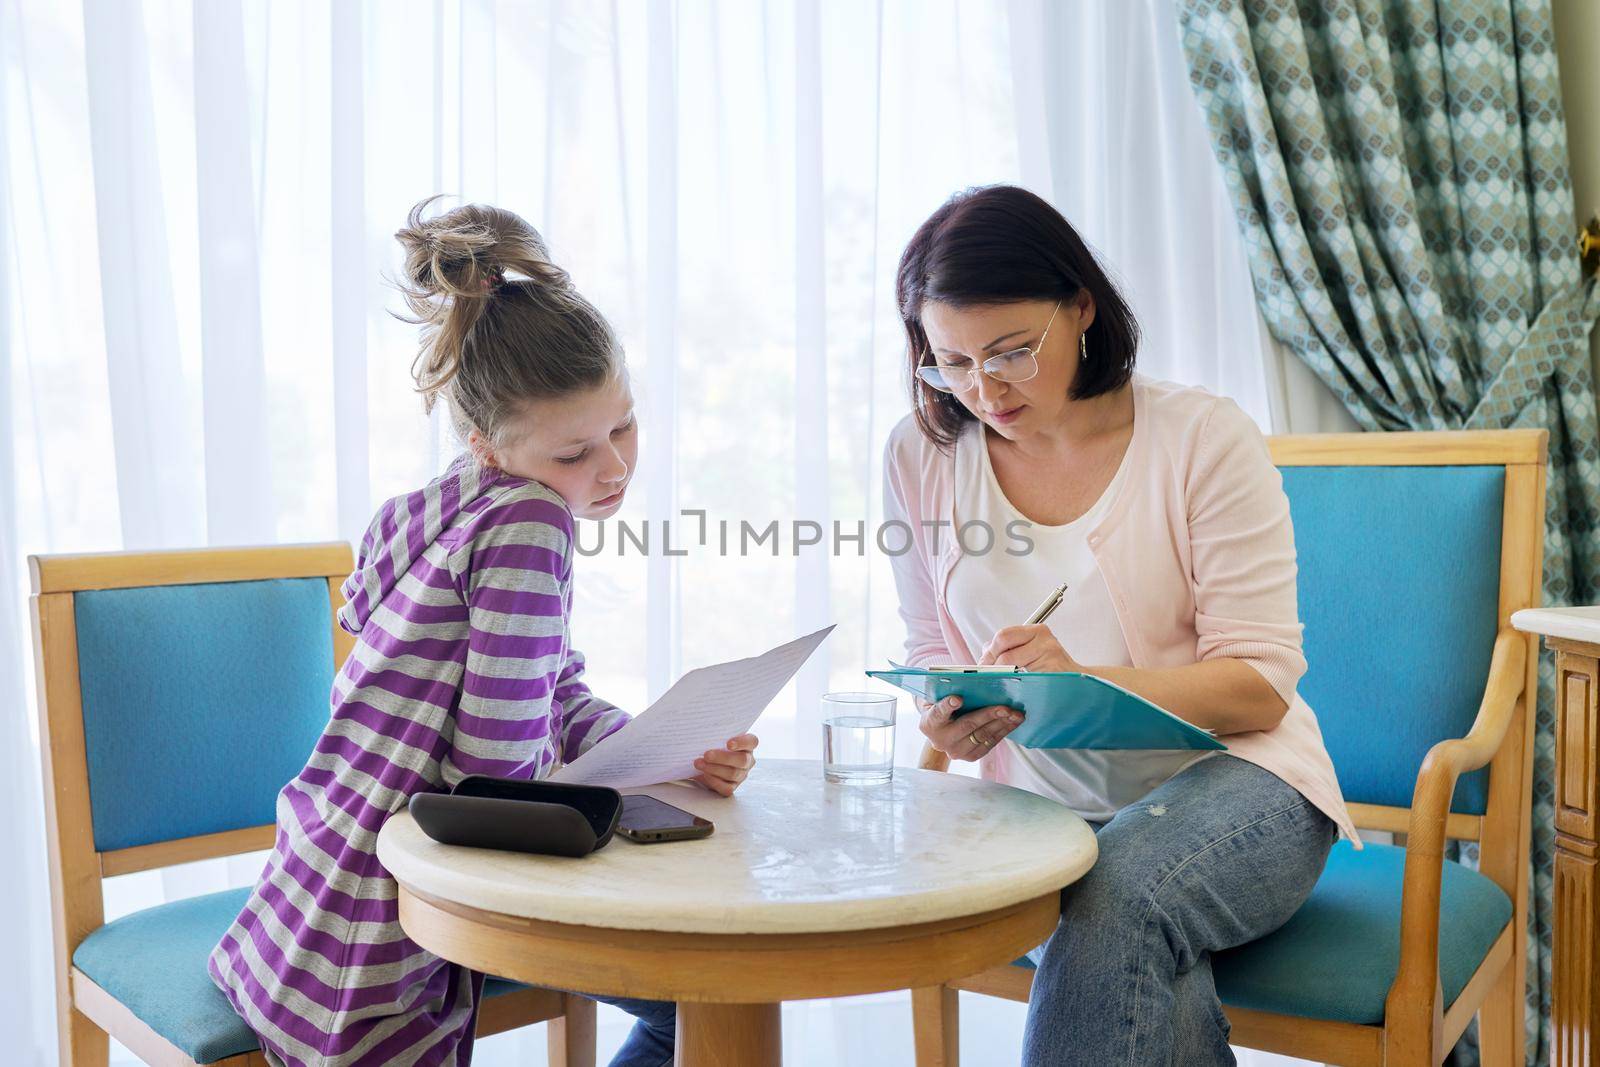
column 1120, row 147
column 1300, row 403
column 196, row 203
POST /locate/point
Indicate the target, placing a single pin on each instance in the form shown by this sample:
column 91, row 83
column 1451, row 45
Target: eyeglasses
column 1017, row 365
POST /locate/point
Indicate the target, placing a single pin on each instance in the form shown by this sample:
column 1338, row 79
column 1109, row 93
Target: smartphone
column 647, row 820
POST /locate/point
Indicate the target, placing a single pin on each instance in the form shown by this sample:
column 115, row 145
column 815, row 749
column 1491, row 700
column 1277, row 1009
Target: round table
column 806, row 889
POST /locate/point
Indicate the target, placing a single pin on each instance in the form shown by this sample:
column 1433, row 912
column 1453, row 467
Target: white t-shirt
column 997, row 589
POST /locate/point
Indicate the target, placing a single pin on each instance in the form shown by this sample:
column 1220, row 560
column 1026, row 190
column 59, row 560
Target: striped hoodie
column 461, row 666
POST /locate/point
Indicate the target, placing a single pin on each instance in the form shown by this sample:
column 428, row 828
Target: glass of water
column 858, row 737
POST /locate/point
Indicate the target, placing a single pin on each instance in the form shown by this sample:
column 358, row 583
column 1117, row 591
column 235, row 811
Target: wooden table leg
column 729, row 1035
column 1574, row 1012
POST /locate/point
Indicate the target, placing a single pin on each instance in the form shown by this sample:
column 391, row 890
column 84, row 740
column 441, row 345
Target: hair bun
column 467, row 252
column 454, row 264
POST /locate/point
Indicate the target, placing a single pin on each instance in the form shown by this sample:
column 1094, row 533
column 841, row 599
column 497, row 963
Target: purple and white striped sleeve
column 517, row 596
column 585, row 718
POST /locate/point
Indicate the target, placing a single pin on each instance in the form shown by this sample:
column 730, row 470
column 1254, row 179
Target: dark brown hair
column 999, row 245
column 501, row 324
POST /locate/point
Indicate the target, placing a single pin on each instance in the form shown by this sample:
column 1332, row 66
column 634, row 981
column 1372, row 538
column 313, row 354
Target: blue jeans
column 1221, row 854
column 650, row 1043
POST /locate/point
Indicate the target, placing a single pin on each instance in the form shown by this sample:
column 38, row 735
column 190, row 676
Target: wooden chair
column 1414, row 550
column 178, row 692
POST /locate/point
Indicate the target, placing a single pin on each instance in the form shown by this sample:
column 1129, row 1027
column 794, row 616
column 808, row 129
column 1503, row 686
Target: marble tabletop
column 1572, row 624
column 790, row 854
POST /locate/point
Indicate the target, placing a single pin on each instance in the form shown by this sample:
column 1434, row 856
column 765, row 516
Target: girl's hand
column 973, row 735
column 723, row 769
column 1033, row 647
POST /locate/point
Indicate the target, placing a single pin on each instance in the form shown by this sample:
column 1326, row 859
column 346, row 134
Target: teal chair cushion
column 199, row 702
column 1399, row 591
column 154, row 963
column 1337, row 957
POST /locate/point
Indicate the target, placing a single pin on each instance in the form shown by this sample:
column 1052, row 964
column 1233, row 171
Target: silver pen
column 1051, row 602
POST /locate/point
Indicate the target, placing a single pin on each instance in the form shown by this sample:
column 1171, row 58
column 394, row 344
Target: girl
column 462, row 664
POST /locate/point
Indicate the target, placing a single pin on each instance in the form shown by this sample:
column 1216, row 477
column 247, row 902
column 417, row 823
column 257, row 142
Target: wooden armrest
column 1416, row 985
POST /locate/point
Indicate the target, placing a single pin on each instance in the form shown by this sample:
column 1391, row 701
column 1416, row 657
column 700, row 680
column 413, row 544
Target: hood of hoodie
column 405, row 526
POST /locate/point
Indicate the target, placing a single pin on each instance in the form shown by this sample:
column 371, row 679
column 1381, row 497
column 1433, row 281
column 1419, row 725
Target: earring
column 1083, row 346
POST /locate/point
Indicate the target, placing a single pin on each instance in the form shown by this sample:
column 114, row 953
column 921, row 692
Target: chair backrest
column 178, row 692
column 1413, row 551
column 1400, row 615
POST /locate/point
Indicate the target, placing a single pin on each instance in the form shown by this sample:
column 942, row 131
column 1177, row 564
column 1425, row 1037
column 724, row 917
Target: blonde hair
column 501, row 324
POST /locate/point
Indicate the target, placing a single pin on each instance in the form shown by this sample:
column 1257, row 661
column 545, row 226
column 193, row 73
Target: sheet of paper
column 701, row 711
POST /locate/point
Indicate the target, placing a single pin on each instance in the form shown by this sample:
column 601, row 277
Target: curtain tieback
column 1556, row 346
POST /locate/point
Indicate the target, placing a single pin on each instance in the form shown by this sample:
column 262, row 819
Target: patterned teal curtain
column 1399, row 170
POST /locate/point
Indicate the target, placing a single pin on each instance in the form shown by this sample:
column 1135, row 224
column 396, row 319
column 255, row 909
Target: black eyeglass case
column 515, row 815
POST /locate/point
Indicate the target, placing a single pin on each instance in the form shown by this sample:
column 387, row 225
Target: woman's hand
column 973, row 735
column 1032, row 647
column 723, row 769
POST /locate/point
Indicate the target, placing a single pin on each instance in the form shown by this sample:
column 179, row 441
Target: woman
column 1160, row 508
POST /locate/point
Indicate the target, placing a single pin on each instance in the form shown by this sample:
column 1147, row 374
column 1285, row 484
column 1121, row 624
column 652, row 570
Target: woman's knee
column 1134, row 900
column 1111, row 901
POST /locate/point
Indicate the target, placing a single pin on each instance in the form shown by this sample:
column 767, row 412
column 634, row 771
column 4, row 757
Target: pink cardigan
column 1196, row 549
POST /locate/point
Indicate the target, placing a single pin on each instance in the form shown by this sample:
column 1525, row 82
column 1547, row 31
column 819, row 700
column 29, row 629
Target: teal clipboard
column 1063, row 709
